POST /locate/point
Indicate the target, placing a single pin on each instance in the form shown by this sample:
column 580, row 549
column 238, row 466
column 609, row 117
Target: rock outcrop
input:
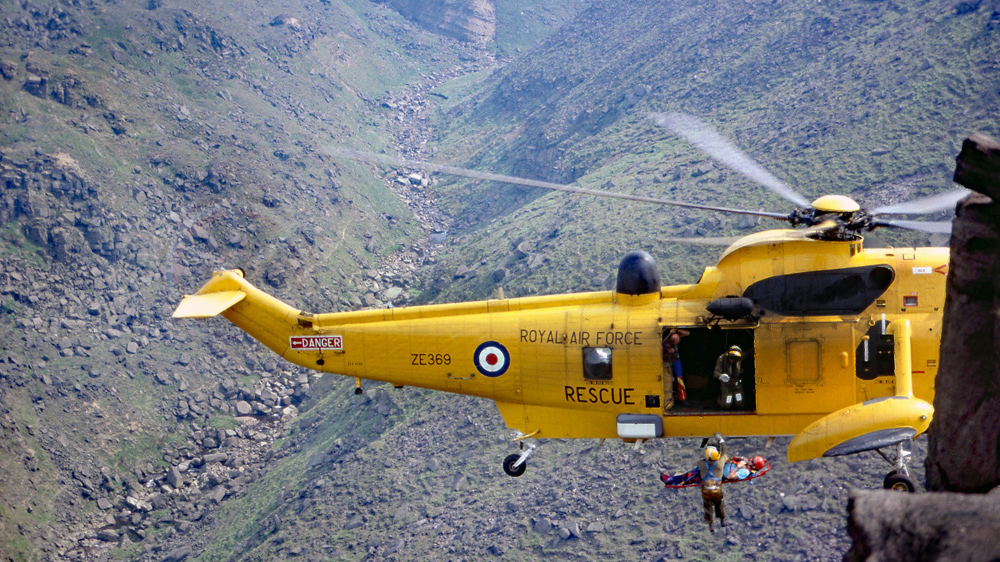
column 472, row 21
column 964, row 449
column 917, row 527
column 964, row 444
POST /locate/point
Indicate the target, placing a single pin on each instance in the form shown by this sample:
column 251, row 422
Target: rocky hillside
column 473, row 21
column 867, row 99
column 141, row 146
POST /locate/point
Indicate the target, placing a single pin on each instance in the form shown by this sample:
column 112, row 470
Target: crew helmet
column 758, row 462
column 711, row 454
column 735, row 352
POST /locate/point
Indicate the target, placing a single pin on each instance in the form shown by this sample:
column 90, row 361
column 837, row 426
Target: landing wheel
column 898, row 482
column 508, row 466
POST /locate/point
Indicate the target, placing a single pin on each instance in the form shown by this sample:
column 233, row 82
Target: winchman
column 711, row 471
column 729, row 372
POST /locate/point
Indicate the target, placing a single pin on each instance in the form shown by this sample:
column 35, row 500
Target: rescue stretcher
column 692, row 478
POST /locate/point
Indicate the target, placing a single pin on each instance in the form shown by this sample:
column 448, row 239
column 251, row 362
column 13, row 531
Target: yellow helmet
column 735, row 352
column 711, row 454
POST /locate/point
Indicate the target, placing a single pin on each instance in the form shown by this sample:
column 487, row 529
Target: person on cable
column 672, row 356
column 712, row 470
column 729, row 373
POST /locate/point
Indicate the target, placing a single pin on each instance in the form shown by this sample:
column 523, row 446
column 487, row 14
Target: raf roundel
column 491, row 358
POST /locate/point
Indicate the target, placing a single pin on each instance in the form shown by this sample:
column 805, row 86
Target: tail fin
column 222, row 291
column 207, row 305
column 264, row 317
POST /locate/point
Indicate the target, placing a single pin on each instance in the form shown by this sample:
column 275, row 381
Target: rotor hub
column 835, row 204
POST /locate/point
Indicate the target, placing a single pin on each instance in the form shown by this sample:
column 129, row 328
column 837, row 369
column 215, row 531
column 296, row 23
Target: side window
column 597, row 363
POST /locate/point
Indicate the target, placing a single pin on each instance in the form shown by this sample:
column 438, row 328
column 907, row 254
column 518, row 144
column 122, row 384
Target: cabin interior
column 699, row 351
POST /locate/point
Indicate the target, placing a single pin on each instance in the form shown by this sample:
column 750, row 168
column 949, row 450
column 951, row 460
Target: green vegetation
column 455, row 91
column 523, row 23
column 222, row 422
column 138, row 448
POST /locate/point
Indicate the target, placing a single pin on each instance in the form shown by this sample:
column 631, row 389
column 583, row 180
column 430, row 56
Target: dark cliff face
column 964, row 446
column 963, row 452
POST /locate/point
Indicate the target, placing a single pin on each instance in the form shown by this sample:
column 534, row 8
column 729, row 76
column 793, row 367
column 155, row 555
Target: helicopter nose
column 835, row 204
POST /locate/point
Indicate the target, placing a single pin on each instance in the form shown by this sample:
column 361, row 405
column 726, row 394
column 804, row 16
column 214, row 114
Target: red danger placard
column 317, row 342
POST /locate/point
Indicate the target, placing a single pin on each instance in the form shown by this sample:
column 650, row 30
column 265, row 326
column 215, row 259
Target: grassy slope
column 289, row 102
column 855, row 98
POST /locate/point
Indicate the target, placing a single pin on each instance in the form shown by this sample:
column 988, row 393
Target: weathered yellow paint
column 804, row 365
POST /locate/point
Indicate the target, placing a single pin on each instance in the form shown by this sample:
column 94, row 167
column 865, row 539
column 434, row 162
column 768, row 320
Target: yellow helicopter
column 838, row 342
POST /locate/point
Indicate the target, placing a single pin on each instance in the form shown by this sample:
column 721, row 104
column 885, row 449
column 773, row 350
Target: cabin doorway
column 698, row 350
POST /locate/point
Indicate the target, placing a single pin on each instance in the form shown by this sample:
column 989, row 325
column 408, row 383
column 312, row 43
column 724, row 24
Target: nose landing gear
column 898, row 479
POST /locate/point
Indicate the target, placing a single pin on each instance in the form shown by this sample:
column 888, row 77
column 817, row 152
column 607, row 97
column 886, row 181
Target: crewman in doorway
column 672, row 356
column 729, row 372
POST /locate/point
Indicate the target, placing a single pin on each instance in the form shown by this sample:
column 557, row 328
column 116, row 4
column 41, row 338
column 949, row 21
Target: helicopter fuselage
column 818, row 340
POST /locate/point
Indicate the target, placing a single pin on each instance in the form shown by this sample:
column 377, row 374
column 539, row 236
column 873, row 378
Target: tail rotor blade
column 711, row 142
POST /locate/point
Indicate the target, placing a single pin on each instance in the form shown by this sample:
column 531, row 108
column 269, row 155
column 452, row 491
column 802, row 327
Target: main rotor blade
column 925, row 205
column 456, row 171
column 933, row 227
column 707, row 139
column 706, row 240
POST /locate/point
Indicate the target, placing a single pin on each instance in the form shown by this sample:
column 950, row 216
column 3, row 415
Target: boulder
column 136, row 504
column 174, row 477
column 542, row 526
column 8, row 69
column 215, row 457
column 889, row 526
column 178, row 554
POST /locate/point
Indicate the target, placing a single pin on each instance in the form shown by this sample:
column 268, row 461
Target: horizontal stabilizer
column 862, row 427
column 208, row 304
